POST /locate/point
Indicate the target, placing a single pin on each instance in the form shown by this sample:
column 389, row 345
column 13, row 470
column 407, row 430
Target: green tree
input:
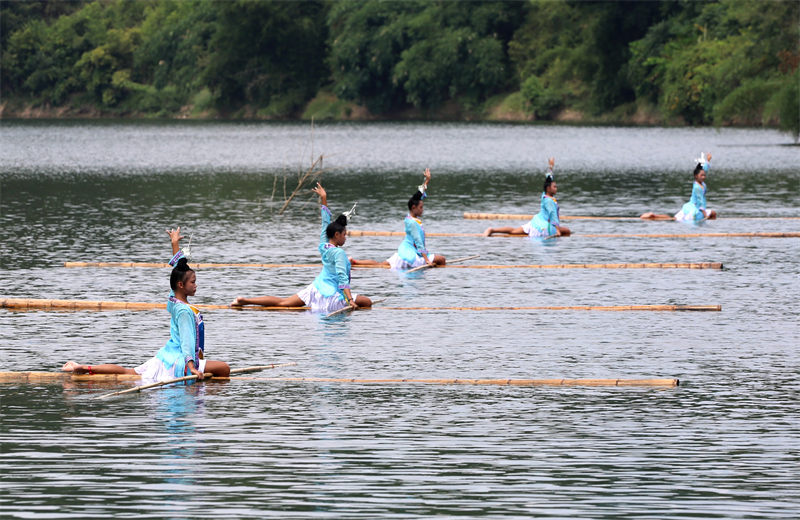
column 267, row 53
column 390, row 55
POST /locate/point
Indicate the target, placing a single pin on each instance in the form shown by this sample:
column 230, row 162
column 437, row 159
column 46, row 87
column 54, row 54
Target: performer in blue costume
column 412, row 251
column 546, row 223
column 184, row 352
column 695, row 210
column 330, row 291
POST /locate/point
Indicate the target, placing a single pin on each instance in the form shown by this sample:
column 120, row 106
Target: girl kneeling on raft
column 546, row 223
column 183, row 353
column 695, row 210
column 330, row 291
column 412, row 251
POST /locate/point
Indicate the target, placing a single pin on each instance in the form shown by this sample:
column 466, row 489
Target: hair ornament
column 351, row 212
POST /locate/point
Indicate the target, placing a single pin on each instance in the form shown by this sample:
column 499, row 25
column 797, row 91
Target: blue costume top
column 335, row 274
column 186, row 337
column 548, row 217
column 413, row 245
column 695, row 208
column 692, row 209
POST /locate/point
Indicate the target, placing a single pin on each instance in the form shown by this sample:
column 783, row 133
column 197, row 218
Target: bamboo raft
column 98, row 305
column 652, row 265
column 511, row 216
column 58, row 377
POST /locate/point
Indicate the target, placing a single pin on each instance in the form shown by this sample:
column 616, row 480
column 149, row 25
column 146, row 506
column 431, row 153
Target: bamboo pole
column 512, row 216
column 787, row 234
column 652, row 265
column 188, row 378
column 193, row 265
column 33, row 304
column 37, row 377
column 713, row 308
column 151, row 385
column 93, row 305
column 790, row 234
column 697, row 265
column 363, row 233
column 427, row 266
column 498, row 382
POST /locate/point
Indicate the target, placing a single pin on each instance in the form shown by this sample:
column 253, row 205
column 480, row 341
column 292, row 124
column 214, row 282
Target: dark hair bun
column 341, row 220
column 183, row 264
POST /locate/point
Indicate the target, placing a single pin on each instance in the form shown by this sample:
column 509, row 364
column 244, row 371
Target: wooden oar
column 189, row 378
column 457, row 260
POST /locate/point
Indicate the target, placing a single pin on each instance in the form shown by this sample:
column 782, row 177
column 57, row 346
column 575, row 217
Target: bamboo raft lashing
column 512, row 216
column 59, row 377
column 74, row 305
column 650, row 265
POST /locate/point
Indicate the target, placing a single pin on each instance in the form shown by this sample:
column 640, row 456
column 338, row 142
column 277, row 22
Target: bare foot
column 488, row 232
column 237, row 302
column 71, row 366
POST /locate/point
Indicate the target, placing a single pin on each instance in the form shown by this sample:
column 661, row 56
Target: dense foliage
column 715, row 62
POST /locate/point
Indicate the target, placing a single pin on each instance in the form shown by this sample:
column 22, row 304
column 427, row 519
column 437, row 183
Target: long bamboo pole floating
column 695, row 265
column 512, row 216
column 498, row 382
column 652, row 265
column 193, row 265
column 713, row 308
column 96, row 305
column 40, row 377
column 790, row 234
column 785, row 234
column 55, row 377
column 33, row 304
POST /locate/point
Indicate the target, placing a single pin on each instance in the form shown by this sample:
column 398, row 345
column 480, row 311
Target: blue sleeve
column 342, row 271
column 552, row 213
column 326, row 220
column 417, row 236
column 187, row 331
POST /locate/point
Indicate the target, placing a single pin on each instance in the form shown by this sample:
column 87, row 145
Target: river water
column 723, row 444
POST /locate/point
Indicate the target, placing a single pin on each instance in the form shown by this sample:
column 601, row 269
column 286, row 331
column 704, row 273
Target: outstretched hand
column 175, row 235
column 551, row 162
column 319, row 190
column 708, row 156
column 427, row 174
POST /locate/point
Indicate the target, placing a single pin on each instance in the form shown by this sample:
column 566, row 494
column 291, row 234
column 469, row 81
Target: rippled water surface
column 724, row 444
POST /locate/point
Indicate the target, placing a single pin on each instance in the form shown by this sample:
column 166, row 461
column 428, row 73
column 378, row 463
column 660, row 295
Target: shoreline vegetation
column 663, row 63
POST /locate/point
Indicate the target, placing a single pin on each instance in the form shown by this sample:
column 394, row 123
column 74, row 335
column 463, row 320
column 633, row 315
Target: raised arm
column 175, row 239
column 325, row 213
